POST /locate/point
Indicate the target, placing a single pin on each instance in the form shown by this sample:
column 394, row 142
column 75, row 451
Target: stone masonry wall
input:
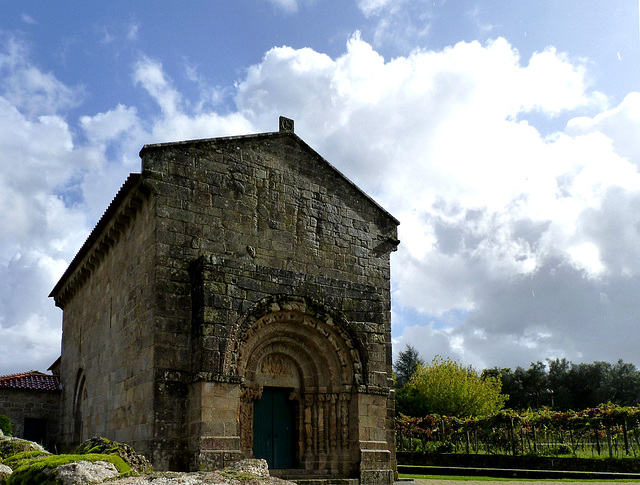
column 18, row 404
column 284, row 221
column 271, row 201
column 107, row 333
column 212, row 228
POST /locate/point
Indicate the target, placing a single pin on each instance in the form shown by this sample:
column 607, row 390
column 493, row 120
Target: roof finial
column 285, row 125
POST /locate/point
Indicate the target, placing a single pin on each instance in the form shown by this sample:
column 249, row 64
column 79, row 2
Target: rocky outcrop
column 5, row 471
column 84, row 472
column 100, row 460
column 245, row 472
column 103, row 446
column 10, row 446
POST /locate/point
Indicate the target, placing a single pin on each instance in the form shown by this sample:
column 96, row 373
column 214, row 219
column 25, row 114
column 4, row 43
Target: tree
column 526, row 388
column 5, row 425
column 447, row 387
column 625, row 384
column 406, row 365
column 570, row 386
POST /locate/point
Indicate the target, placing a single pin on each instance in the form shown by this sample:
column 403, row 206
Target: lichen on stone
column 101, row 445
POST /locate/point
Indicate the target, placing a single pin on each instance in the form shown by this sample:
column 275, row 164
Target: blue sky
column 503, row 136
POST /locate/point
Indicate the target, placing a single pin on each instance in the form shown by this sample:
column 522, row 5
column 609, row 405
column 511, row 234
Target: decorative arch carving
column 297, row 317
column 301, row 345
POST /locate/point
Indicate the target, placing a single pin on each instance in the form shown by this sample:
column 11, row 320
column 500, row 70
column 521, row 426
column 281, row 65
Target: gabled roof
column 285, row 131
column 94, row 237
column 135, row 180
column 33, row 380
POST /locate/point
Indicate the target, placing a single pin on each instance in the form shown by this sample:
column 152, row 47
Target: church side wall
column 107, row 343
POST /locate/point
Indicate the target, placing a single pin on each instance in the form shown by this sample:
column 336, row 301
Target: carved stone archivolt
column 315, row 358
column 332, row 328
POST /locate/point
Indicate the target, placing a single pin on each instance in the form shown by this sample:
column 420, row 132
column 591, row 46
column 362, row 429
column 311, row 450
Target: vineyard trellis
column 607, row 430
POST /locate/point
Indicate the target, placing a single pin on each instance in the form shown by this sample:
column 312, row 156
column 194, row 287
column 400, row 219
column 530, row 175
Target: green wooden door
column 274, row 428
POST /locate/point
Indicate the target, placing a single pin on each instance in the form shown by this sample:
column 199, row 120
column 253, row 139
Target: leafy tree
column 5, row 425
column 567, row 386
column 560, row 394
column 406, row 365
column 448, row 388
column 526, row 388
column 625, row 384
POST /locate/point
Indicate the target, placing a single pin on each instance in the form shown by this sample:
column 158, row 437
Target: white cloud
column 28, row 19
column 510, row 239
column 149, row 74
column 30, row 90
column 286, row 5
column 132, row 32
column 371, row 7
column 486, row 202
column 621, row 124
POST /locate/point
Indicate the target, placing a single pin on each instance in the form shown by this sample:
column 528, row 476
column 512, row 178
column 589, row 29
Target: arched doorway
column 300, row 367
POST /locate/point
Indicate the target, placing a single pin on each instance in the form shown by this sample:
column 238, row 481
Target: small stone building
column 31, row 402
column 234, row 301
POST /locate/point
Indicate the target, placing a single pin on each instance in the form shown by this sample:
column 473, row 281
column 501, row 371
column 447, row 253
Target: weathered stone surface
column 44, row 405
column 227, row 267
column 100, row 445
column 85, row 472
column 196, row 478
column 10, row 446
column 5, row 471
column 244, row 472
column 254, row 467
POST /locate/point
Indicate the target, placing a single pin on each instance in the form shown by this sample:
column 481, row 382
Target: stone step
column 301, row 478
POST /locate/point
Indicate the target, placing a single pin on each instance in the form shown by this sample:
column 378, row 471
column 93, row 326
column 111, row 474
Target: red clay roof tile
column 33, row 380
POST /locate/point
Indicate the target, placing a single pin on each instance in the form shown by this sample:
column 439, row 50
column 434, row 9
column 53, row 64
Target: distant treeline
column 563, row 385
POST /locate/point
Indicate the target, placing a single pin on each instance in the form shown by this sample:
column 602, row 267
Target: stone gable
column 230, row 270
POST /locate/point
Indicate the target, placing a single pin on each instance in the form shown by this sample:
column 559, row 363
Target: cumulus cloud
column 57, row 179
column 39, row 229
column 516, row 246
column 492, row 211
column 30, row 90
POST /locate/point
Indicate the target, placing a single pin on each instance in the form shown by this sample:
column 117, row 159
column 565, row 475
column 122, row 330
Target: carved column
column 320, row 422
column 248, row 396
column 344, row 419
column 333, row 422
column 309, row 442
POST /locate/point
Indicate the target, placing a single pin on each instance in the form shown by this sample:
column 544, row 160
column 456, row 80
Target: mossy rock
column 42, row 471
column 10, row 446
column 137, row 462
column 24, row 458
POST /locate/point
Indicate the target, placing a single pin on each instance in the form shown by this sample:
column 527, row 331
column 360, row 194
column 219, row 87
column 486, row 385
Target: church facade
column 234, row 301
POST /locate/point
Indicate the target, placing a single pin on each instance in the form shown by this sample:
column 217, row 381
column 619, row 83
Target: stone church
column 234, row 301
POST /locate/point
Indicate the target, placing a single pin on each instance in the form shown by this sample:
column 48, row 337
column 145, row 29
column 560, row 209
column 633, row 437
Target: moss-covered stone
column 42, row 470
column 137, row 462
column 10, row 446
column 24, row 458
